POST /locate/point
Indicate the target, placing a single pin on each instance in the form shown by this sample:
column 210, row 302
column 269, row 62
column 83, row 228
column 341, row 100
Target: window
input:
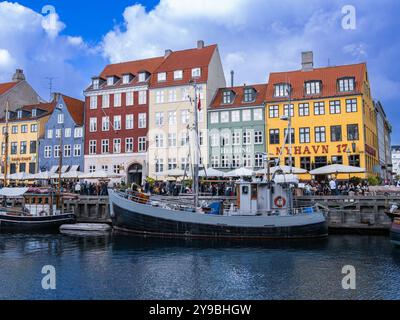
column 171, row 139
column 129, row 99
column 58, row 133
column 214, row 117
column 129, row 122
column 142, row 77
column 178, row 75
column 258, row 114
column 47, row 152
column 172, row 97
column 129, row 145
column 172, row 118
column 352, row 132
column 172, row 163
column 105, row 146
column 34, row 113
column 201, row 138
column 117, row 146
column 116, row 169
column 162, row 76
column 258, row 160
column 282, row 90
column 159, row 119
column 227, row 97
column 354, row 160
column 319, row 108
column 196, row 73
column 320, row 162
column 159, row 139
column 77, row 150
column 96, row 83
column 57, row 151
column 288, row 110
column 336, row 133
column 184, row 139
column 313, row 87
column 185, row 94
column 247, row 160
column 225, row 117
column 92, row 147
column 14, row 129
column 337, row 160
column 249, row 95
column 34, row 128
column 247, row 137
column 225, row 139
column 274, row 111
column 104, row 168
column 32, row 147
column 24, row 128
column 92, row 169
column 292, row 135
column 142, row 121
column 67, row 151
column 290, row 162
column 305, row 163
column 235, row 116
column 304, row 109
column 274, row 136
column 78, row 132
column 246, row 114
column 215, row 161
column 106, row 101
column 93, row 102
column 160, row 96
column 110, row 81
column 304, row 135
column 142, row 144
column 22, row 167
column 117, row 100
column 93, row 125
column 117, row 123
column 258, row 137
column 67, row 133
column 224, row 161
column 159, row 165
column 351, row 105
column 105, row 123
column 14, row 148
column 346, row 84
column 214, row 137
column 22, row 147
column 142, row 97
column 236, row 138
column 334, row 107
column 320, row 135
column 126, row 79
column 185, row 116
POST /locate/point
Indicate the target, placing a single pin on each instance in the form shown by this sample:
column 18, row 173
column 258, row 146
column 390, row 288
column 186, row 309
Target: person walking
column 333, row 187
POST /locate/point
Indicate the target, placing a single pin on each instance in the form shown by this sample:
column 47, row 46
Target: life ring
column 280, row 202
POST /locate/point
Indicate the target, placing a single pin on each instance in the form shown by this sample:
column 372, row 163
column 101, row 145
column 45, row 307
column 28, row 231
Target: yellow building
column 332, row 115
column 25, row 127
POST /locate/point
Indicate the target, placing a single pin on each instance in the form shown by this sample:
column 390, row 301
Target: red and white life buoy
column 280, row 202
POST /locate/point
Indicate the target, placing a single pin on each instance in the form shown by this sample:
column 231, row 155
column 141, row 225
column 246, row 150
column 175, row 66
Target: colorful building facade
column 332, row 114
column 64, row 133
column 236, row 123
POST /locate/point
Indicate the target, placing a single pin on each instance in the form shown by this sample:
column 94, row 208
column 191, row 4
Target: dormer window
column 19, row 114
column 162, row 76
column 178, row 75
column 312, row 87
column 110, row 81
column 227, row 97
column 96, row 83
column 282, row 90
column 34, row 113
column 142, row 77
column 196, row 73
column 346, row 84
column 126, row 78
column 249, row 95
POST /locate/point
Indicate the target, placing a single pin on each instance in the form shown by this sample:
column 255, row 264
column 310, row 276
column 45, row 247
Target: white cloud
column 5, row 58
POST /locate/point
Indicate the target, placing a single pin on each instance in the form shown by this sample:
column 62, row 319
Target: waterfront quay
column 353, row 215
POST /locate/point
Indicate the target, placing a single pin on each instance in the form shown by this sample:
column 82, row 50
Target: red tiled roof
column 184, row 60
column 4, row 87
column 76, row 109
column 328, row 76
column 239, row 97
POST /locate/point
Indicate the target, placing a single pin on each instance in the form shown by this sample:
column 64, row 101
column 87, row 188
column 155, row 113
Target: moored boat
column 395, row 232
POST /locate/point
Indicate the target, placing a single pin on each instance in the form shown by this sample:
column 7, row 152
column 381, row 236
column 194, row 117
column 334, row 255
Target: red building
column 116, row 119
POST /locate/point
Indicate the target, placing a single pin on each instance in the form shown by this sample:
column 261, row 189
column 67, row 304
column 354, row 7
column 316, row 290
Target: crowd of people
column 334, row 188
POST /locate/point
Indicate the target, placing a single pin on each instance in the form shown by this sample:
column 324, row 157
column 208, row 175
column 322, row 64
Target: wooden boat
column 395, row 232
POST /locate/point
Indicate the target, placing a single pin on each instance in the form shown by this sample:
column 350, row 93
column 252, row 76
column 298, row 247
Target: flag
column 199, row 104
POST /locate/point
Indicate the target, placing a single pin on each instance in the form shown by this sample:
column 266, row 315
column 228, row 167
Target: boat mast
column 6, row 146
column 195, row 180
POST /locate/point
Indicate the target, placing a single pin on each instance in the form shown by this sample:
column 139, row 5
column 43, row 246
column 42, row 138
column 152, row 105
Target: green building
column 236, row 125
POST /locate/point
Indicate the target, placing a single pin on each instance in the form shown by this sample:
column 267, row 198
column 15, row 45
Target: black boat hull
column 395, row 233
column 143, row 224
column 33, row 224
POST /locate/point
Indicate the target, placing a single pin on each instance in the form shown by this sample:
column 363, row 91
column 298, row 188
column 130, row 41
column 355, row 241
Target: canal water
column 127, row 267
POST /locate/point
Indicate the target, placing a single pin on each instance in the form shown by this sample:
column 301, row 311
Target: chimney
column 167, row 53
column 232, row 78
column 200, row 44
column 18, row 75
column 307, row 61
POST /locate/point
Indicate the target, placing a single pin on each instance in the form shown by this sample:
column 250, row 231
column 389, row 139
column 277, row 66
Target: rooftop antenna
column 50, row 80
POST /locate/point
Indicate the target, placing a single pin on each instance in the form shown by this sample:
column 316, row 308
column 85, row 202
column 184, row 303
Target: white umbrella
column 286, row 178
column 20, row 176
column 211, row 172
column 336, row 168
column 100, row 174
column 241, row 172
column 285, row 169
column 71, row 175
column 45, row 175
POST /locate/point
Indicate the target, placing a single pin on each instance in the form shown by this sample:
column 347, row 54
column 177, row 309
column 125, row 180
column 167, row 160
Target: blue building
column 63, row 133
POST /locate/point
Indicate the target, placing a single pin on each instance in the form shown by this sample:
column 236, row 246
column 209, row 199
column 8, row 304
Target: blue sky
column 255, row 37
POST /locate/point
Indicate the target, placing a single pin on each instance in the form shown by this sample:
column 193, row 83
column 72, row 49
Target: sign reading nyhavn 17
column 315, row 149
